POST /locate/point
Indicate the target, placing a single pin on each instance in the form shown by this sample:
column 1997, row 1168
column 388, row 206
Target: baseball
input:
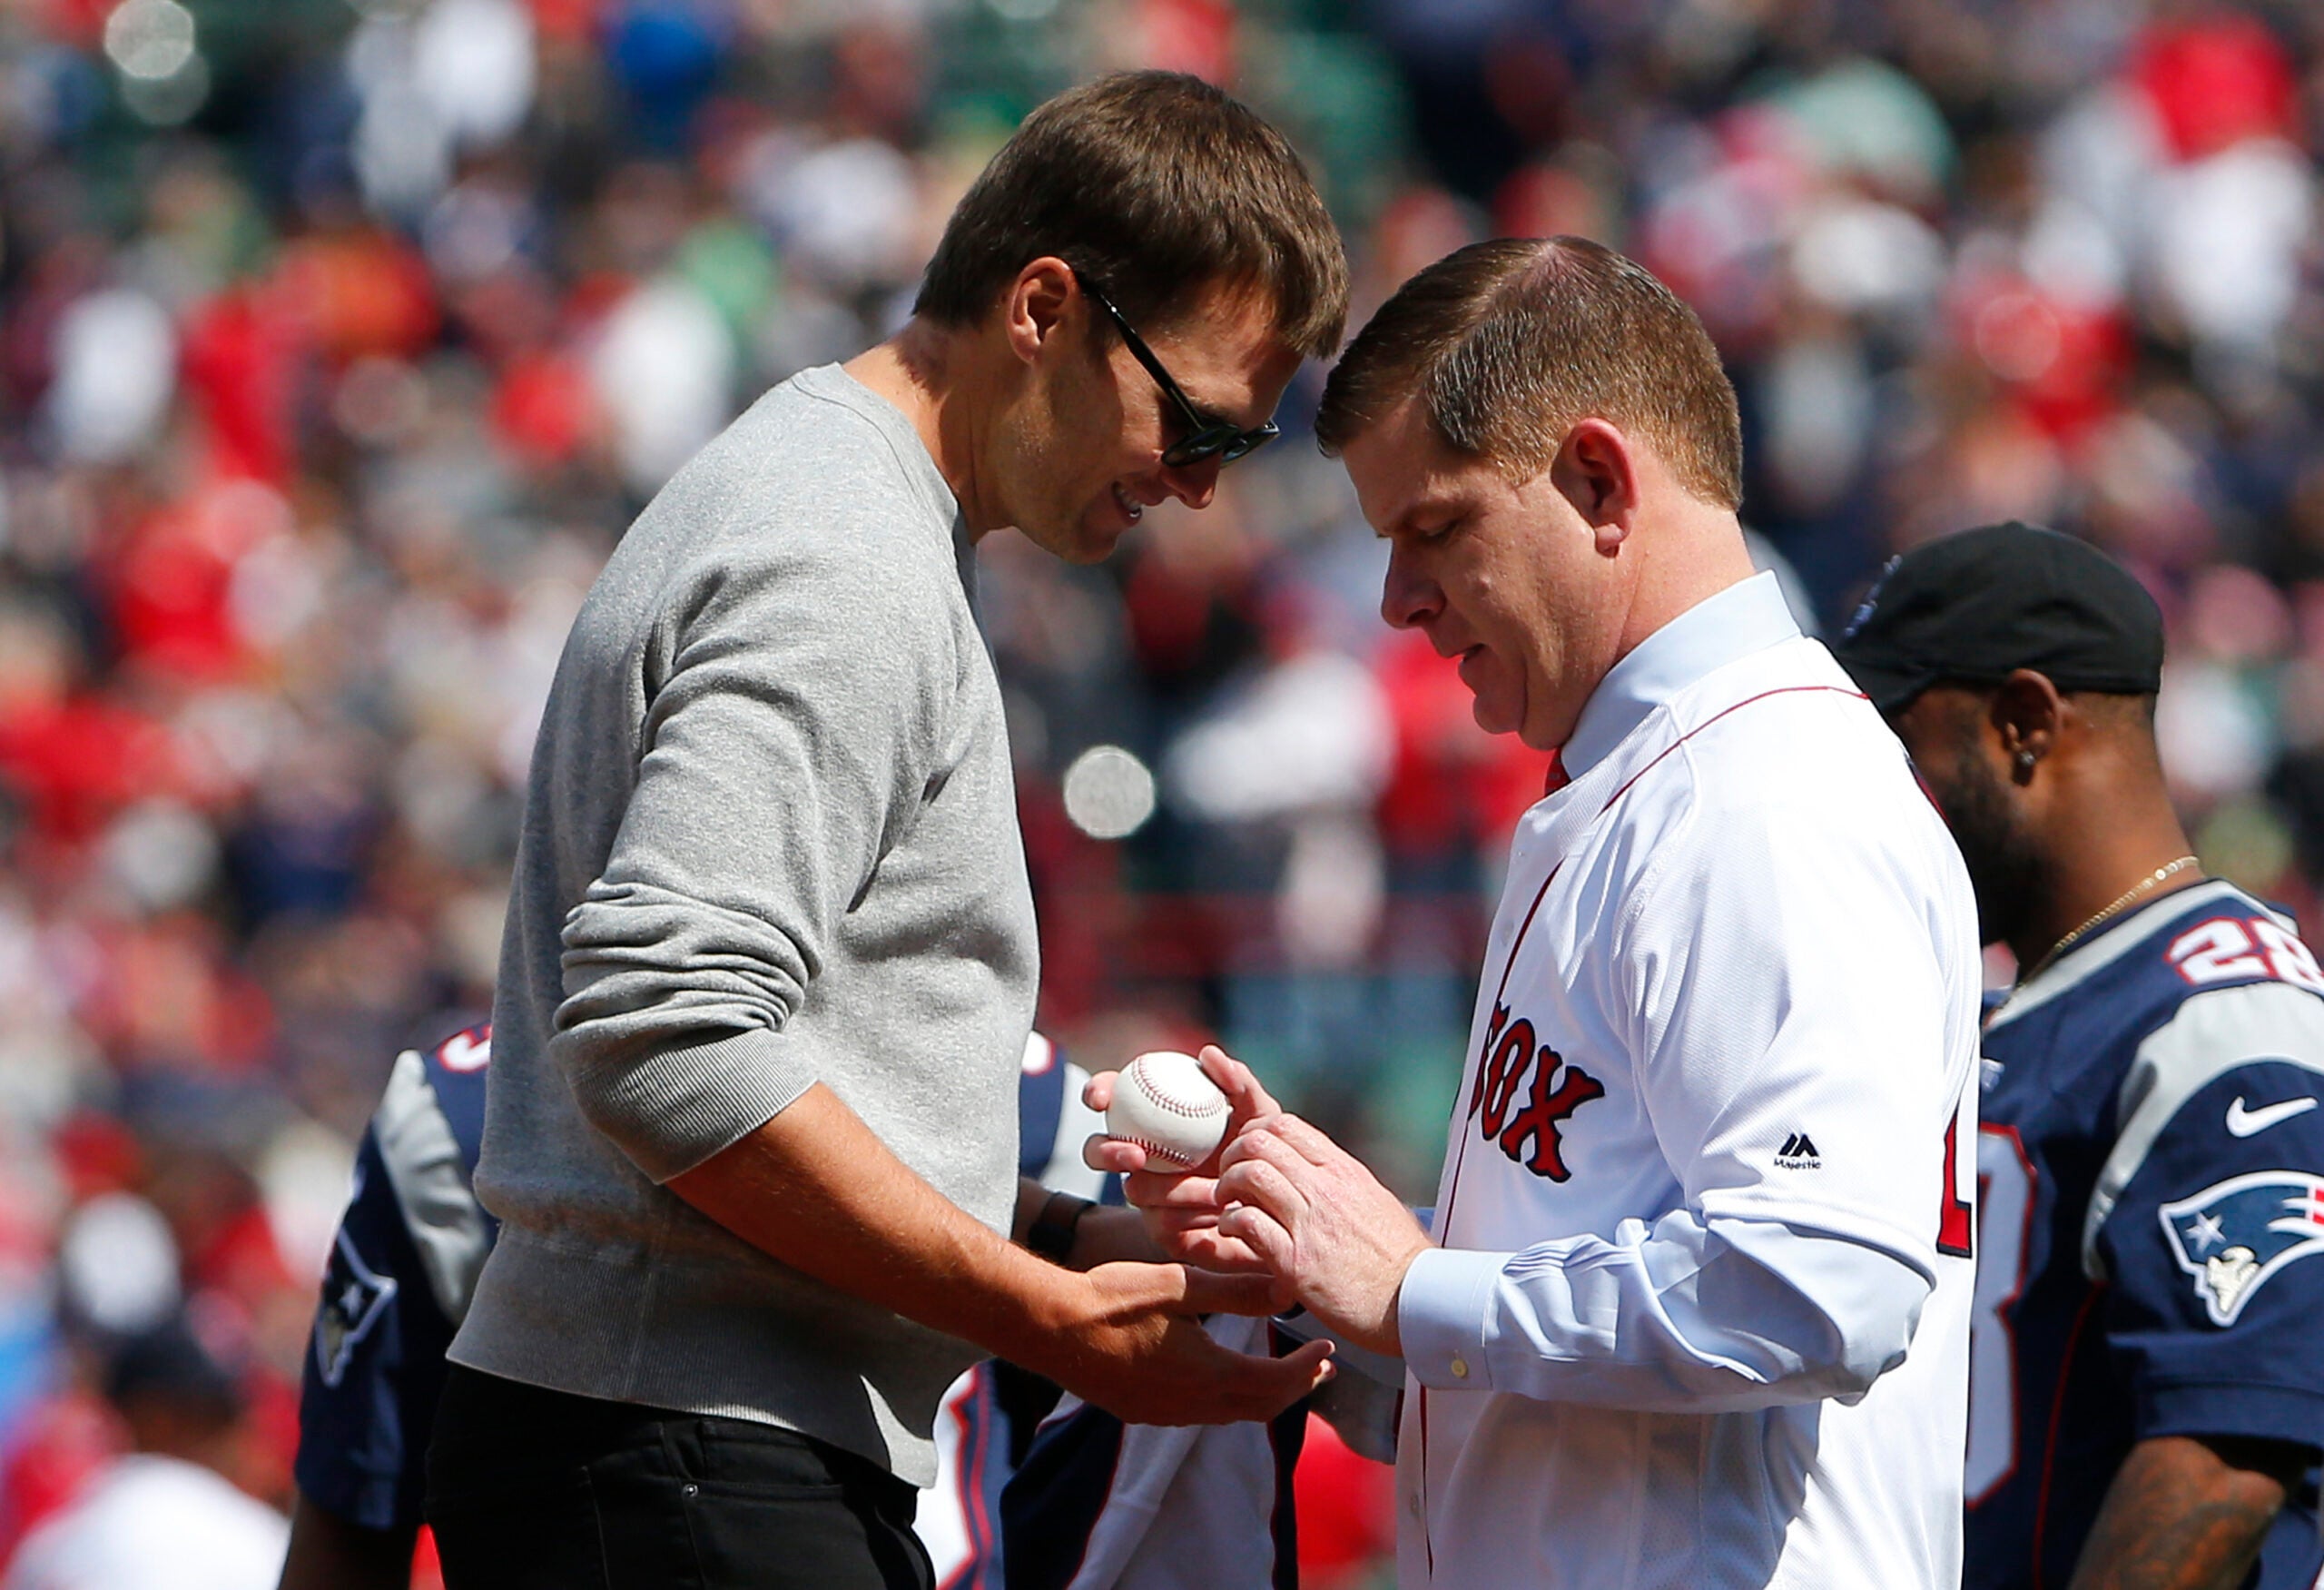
column 1168, row 1105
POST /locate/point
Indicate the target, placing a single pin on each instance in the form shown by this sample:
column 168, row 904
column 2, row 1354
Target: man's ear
column 2027, row 715
column 1596, row 471
column 1041, row 300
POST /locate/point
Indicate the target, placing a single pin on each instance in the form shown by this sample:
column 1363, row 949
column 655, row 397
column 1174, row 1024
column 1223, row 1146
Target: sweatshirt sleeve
column 790, row 730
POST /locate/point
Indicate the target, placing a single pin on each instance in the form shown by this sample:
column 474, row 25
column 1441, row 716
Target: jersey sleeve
column 2211, row 1239
column 1792, row 1019
column 374, row 1364
column 402, row 1266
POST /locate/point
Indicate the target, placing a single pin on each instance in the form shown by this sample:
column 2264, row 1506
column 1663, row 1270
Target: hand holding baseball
column 1323, row 1223
column 1166, row 1106
column 1178, row 1204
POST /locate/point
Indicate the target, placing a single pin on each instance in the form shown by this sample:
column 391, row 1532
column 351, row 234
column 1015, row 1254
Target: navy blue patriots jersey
column 2151, row 1167
column 401, row 1269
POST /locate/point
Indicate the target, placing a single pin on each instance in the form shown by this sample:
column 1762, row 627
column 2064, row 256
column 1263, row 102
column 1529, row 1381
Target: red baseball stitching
column 1175, row 1106
column 1171, row 1156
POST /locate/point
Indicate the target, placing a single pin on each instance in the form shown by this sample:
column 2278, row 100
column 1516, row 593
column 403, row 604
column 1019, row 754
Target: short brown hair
column 1155, row 186
column 1513, row 342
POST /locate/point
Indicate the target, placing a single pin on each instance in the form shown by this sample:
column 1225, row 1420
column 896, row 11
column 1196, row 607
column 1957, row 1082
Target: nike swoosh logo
column 2243, row 1123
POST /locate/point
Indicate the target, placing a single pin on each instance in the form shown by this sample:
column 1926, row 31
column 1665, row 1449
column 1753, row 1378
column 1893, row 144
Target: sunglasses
column 1207, row 437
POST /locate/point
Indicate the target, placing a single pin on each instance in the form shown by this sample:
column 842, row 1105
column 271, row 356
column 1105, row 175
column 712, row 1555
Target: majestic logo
column 354, row 1298
column 2243, row 1123
column 2234, row 1236
column 1530, row 1132
column 1798, row 1153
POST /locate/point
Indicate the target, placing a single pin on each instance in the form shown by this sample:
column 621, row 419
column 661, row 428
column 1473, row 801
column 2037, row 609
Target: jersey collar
column 1739, row 620
column 2108, row 944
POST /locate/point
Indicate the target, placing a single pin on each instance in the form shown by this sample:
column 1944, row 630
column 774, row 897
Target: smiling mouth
column 1129, row 505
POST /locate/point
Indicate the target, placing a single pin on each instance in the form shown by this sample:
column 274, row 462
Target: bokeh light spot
column 1108, row 792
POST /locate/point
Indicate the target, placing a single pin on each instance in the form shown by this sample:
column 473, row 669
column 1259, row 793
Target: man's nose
column 1193, row 484
column 1406, row 596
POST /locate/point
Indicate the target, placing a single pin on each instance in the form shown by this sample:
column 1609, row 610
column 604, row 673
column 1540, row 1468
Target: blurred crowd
column 340, row 339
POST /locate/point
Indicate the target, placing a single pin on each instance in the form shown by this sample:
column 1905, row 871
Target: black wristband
column 1051, row 1233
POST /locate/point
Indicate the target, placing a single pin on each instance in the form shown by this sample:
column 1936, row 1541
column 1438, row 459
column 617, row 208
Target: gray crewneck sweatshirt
column 770, row 840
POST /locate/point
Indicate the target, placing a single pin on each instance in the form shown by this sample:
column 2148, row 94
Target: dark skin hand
column 2188, row 1513
column 328, row 1553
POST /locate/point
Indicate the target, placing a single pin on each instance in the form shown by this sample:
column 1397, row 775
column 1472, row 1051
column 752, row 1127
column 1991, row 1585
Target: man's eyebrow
column 1426, row 508
column 1214, row 413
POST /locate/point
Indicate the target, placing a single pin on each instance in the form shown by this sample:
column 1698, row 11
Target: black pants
column 540, row 1490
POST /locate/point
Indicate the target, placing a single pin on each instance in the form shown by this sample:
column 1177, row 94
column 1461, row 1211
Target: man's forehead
column 1401, row 468
column 1227, row 357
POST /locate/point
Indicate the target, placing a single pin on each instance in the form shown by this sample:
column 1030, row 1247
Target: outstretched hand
column 1138, row 1351
column 1181, row 1207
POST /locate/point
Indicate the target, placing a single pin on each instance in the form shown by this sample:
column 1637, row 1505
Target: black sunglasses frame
column 1204, row 439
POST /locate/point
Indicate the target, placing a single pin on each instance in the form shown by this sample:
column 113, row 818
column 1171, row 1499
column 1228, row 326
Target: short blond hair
column 1510, row 343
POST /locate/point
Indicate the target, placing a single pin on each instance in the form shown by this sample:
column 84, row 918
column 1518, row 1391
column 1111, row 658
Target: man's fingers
column 1266, row 1170
column 1228, row 1255
column 1264, row 1236
column 1263, row 1184
column 1211, row 1293
column 1217, row 1386
column 1245, row 1096
column 1255, row 1388
column 1159, row 1189
column 1293, row 1376
column 1256, row 1138
column 1309, row 1140
column 1098, row 1092
column 1100, row 1152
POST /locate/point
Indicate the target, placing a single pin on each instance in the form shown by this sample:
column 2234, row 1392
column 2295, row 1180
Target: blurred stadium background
column 340, row 339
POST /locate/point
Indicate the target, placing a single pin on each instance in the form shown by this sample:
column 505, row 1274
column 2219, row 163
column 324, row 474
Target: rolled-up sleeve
column 792, row 726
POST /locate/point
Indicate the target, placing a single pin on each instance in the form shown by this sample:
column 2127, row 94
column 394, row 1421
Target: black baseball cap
column 1972, row 608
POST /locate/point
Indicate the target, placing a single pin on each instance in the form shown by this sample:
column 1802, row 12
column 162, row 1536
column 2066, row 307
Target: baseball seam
column 1173, row 1155
column 1175, row 1104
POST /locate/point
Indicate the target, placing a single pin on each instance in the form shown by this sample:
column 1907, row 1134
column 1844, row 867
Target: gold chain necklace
column 2127, row 895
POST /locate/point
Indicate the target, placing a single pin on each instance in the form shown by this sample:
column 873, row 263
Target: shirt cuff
column 2275, row 1413
column 678, row 1107
column 1445, row 1313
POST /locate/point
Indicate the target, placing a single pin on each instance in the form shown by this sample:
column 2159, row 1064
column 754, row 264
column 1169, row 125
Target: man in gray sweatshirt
column 769, row 962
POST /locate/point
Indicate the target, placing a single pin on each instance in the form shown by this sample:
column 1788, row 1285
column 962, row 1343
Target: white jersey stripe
column 2209, row 1035
column 431, row 1178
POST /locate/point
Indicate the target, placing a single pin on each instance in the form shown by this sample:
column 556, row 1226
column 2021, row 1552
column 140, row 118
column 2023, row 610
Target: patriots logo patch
column 2234, row 1236
column 354, row 1297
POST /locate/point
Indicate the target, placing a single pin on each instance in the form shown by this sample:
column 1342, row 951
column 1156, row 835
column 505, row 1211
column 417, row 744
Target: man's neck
column 2112, row 858
column 925, row 371
column 1692, row 556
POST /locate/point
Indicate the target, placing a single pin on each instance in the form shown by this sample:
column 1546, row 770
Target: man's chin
column 1081, row 541
column 1496, row 719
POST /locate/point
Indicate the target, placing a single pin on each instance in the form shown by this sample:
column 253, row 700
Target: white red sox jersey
column 1700, row 1316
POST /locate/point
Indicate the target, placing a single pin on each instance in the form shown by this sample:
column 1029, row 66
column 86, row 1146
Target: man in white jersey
column 1696, row 1312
